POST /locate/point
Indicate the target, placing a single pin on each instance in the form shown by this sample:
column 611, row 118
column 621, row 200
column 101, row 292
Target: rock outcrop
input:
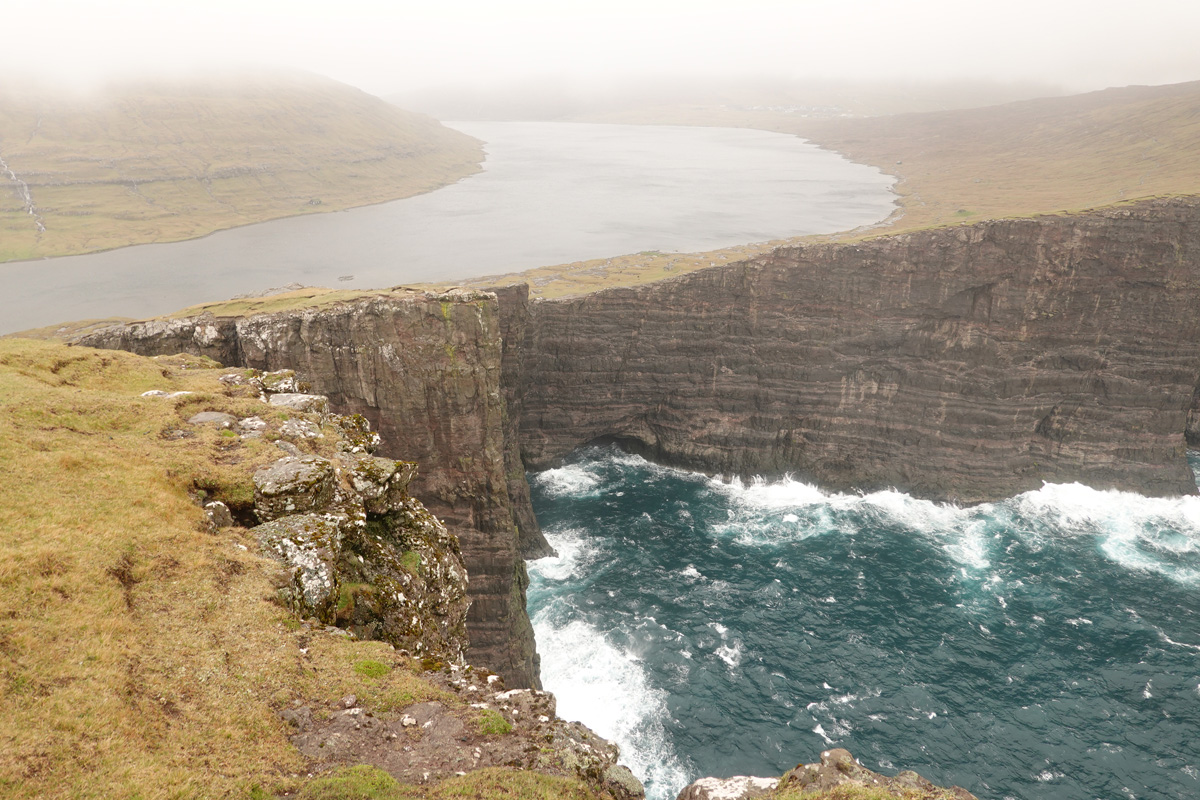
column 837, row 773
column 355, row 550
column 425, row 371
column 967, row 363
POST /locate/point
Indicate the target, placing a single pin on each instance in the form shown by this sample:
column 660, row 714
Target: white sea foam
column 576, row 552
column 573, row 480
column 608, row 690
column 1151, row 534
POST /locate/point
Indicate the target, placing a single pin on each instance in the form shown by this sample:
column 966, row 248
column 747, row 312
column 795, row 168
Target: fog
column 390, row 48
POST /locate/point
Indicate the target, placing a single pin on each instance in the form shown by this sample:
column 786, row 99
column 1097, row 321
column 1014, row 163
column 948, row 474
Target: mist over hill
column 167, row 160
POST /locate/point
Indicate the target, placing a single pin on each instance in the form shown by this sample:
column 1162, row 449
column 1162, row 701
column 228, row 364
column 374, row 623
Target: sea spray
column 1043, row 644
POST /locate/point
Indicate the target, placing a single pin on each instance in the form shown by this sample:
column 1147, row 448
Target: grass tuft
column 370, row 668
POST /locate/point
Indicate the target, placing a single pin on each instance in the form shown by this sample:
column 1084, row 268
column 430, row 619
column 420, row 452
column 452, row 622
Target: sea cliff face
column 425, row 370
column 964, row 364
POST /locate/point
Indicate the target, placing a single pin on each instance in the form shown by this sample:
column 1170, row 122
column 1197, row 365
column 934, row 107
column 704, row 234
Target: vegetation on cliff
column 147, row 648
column 161, row 162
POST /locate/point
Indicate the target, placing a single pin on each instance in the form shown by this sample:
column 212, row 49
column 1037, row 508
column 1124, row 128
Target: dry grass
column 161, row 163
column 140, row 655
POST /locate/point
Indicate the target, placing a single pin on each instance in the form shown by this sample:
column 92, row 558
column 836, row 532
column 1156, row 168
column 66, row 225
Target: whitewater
column 1047, row 645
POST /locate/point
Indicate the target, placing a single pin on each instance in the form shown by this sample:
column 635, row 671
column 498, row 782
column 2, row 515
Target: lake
column 550, row 193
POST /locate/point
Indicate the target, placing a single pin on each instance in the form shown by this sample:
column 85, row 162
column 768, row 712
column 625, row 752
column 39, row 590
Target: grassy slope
column 1031, row 157
column 166, row 162
column 140, row 655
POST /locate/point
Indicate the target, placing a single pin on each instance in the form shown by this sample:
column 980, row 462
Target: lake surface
column 1044, row 646
column 550, row 193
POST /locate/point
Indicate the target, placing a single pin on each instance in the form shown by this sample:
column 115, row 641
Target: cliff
column 967, row 363
column 425, row 370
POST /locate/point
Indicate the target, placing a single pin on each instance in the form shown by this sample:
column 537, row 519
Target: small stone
column 349, row 701
column 408, row 721
column 218, row 418
column 252, row 424
column 218, row 514
column 161, row 393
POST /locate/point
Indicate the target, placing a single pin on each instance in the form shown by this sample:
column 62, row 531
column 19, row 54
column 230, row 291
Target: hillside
column 1029, row 157
column 160, row 162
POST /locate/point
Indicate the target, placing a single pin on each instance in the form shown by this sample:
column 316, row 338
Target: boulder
column 309, row 547
column 381, row 482
column 282, row 381
column 293, row 485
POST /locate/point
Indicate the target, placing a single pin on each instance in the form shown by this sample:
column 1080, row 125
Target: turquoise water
column 1047, row 646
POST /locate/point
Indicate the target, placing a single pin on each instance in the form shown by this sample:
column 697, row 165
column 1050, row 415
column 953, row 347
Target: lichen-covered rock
column 218, row 514
column 309, row 546
column 293, row 486
column 314, row 403
column 381, row 482
column 300, row 429
column 283, row 381
column 404, row 582
column 739, row 787
column 355, row 434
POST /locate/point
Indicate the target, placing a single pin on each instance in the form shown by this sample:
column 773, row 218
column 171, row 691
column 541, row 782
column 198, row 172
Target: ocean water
column 1046, row 646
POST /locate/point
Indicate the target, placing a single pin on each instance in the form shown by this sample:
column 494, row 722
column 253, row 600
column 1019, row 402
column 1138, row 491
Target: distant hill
column 162, row 162
column 1029, row 157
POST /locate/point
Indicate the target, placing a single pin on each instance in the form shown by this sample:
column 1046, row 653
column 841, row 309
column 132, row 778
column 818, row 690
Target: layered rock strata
column 965, row 364
column 425, row 371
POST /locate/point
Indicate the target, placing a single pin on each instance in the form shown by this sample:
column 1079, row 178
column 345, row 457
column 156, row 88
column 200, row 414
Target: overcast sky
column 387, row 47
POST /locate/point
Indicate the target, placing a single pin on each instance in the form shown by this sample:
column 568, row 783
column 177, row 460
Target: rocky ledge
column 359, row 558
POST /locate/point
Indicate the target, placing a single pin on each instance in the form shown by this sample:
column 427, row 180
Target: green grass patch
column 491, row 723
column 370, row 668
column 360, row 782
